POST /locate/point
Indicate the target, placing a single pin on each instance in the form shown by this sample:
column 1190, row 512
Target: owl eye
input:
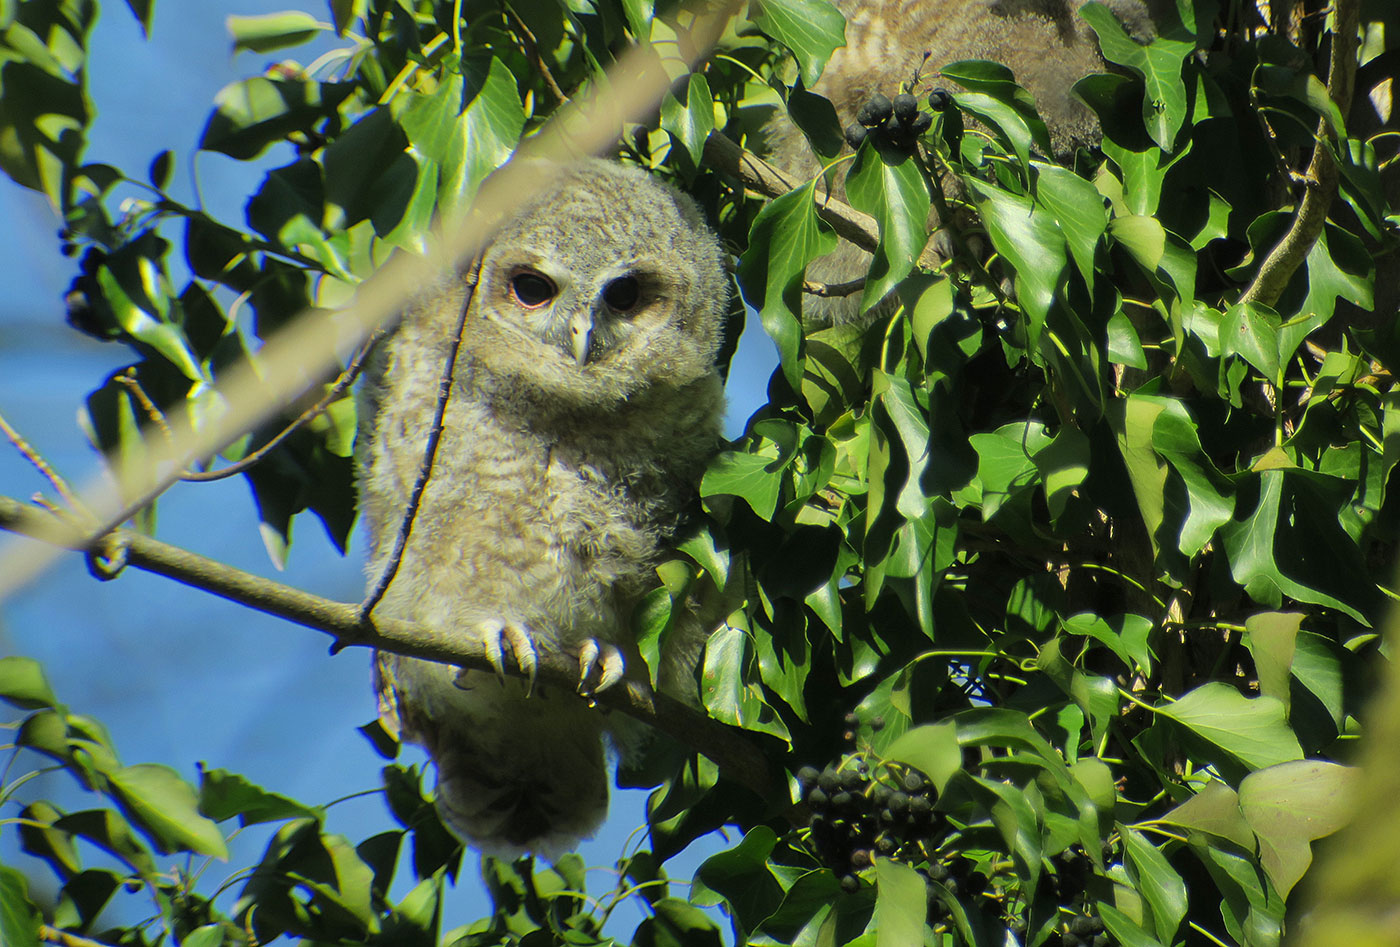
column 622, row 294
column 531, row 289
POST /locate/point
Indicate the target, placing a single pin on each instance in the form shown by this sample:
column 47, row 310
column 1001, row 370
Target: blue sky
column 177, row 675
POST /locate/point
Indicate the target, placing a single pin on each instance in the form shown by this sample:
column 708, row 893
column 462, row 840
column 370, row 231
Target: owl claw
column 515, row 640
column 603, row 658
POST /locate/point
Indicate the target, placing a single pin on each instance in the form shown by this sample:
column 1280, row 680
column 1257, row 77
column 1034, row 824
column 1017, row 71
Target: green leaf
column 724, row 690
column 756, row 478
column 885, row 183
column 270, row 31
column 1031, row 242
column 1158, row 883
column 812, row 29
column 1291, row 804
column 786, row 235
column 1123, row 929
column 1214, row 809
column 1251, row 331
column 1291, row 544
column 19, row 916
column 1252, row 730
column 1270, row 637
column 252, row 114
column 39, row 837
column 164, row 806
column 900, row 904
column 223, row 795
column 932, row 749
column 23, row 684
column 1159, row 64
column 690, row 122
column 743, row 878
column 1077, row 207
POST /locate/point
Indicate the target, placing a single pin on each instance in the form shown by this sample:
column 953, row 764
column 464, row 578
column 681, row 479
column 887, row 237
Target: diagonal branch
column 1320, row 189
column 723, row 154
column 737, row 758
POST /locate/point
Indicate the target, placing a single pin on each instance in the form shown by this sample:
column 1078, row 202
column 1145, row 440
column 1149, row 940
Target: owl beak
column 581, row 332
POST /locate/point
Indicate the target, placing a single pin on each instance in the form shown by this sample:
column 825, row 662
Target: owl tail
column 516, row 774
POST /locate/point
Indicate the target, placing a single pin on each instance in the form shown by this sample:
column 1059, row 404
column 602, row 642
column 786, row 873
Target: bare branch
column 833, row 289
column 722, row 154
column 1321, row 187
column 737, row 758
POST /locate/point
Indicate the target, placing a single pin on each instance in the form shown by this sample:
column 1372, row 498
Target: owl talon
column 516, row 640
column 603, row 658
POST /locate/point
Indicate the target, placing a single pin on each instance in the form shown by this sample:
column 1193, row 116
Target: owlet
column 585, row 403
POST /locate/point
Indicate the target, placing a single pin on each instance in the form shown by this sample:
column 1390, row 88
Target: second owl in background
column 1045, row 43
column 585, row 402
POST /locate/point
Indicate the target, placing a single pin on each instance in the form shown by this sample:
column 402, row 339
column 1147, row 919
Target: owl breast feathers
column 584, row 404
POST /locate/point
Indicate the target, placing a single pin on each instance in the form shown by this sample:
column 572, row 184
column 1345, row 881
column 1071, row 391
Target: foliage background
column 1097, row 548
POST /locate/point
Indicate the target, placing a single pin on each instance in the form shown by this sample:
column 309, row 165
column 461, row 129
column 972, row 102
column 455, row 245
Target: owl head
column 606, row 283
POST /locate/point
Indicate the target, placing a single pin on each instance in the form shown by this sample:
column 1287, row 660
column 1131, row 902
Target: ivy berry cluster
column 874, row 118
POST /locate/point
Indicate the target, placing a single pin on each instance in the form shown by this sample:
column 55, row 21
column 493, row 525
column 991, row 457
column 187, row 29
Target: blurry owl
column 585, row 404
column 894, row 44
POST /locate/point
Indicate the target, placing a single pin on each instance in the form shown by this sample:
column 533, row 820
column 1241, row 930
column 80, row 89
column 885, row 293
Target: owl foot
column 502, row 637
column 603, row 658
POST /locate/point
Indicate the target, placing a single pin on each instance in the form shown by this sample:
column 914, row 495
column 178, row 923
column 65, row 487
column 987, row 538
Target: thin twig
column 46, row 471
column 127, row 380
column 55, row 936
column 733, row 752
column 532, row 49
column 336, row 391
column 425, row 468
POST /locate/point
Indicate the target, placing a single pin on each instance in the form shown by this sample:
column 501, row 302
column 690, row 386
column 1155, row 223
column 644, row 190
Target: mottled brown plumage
column 585, row 404
column 1044, row 43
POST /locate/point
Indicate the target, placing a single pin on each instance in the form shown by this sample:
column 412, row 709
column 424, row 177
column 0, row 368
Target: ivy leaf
column 19, row 915
column 223, row 795
column 252, row 114
column 164, row 806
column 1159, row 883
column 1291, row 804
column 1159, row 63
column 812, row 29
column 900, row 904
column 1252, row 730
column 885, row 183
column 1270, row 637
column 1077, row 207
column 1031, row 241
column 272, row 31
column 24, row 685
column 690, row 122
column 786, row 235
column 933, row 749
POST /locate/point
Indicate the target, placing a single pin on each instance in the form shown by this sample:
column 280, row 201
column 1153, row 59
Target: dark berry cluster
column 898, row 122
column 1085, row 931
column 860, row 812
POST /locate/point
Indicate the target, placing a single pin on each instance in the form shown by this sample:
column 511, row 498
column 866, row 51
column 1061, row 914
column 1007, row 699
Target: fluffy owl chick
column 585, row 403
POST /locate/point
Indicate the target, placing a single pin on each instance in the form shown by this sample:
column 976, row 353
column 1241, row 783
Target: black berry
column 875, row 112
column 905, row 108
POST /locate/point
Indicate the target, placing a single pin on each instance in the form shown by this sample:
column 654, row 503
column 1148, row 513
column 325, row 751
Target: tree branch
column 737, row 758
column 1321, row 187
column 723, row 154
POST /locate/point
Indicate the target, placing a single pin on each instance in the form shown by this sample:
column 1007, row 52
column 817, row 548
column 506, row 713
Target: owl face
column 606, row 283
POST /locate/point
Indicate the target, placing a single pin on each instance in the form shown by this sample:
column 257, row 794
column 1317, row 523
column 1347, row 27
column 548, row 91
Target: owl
column 894, row 44
column 585, row 402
